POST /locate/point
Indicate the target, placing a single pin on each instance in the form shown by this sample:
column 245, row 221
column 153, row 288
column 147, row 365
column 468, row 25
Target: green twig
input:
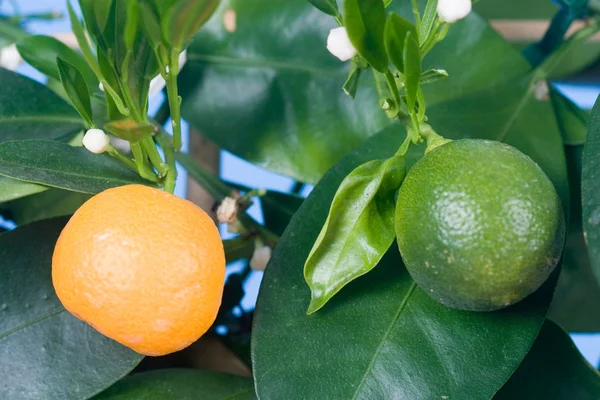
column 164, row 141
column 121, row 157
column 152, row 152
column 416, row 14
column 170, row 72
column 141, row 163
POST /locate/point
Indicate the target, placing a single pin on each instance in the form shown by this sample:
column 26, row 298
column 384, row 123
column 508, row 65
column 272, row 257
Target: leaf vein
column 35, row 321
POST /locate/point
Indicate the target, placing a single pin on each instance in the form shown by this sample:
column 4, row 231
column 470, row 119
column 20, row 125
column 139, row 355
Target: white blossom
column 260, row 258
column 453, row 10
column 10, row 57
column 96, row 141
column 227, row 211
column 339, row 44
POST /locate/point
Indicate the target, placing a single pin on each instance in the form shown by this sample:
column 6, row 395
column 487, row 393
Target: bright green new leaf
column 350, row 87
column 60, row 165
column 396, row 29
column 358, row 231
column 432, row 75
column 76, row 88
column 130, row 130
column 41, row 53
column 412, row 69
column 553, row 369
column 131, row 24
column 329, row 7
column 365, row 20
column 12, row 189
column 151, row 23
column 428, row 20
column 38, row 337
column 181, row 384
column 184, row 19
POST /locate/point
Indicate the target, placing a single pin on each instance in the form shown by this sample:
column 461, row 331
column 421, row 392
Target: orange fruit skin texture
column 141, row 266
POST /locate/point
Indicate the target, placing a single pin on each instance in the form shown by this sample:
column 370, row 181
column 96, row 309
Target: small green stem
column 121, row 157
column 434, row 140
column 416, row 14
column 437, row 37
column 141, row 163
column 152, row 152
column 170, row 72
column 164, row 141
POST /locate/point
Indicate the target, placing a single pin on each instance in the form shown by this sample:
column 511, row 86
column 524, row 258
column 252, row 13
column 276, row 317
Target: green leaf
column 130, row 130
column 74, row 84
column 151, row 25
column 278, row 209
column 11, row 189
column 131, row 24
column 329, row 7
column 185, row 18
column 576, row 302
column 553, row 369
column 590, row 186
column 62, row 166
column 432, row 75
column 365, row 20
column 396, row 30
column 358, row 231
column 38, row 337
column 238, row 248
column 293, row 90
column 350, row 87
column 29, row 110
column 41, row 53
column 427, row 20
column 412, row 69
column 181, row 384
column 45, row 205
column 101, row 11
column 403, row 344
column 571, row 119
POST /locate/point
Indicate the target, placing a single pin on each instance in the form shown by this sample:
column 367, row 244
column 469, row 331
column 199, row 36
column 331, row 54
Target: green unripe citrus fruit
column 479, row 225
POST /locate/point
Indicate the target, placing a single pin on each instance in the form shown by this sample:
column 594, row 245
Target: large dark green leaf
column 590, row 189
column 48, row 204
column 181, row 384
column 382, row 337
column 358, row 231
column 62, row 166
column 45, row 352
column 293, row 117
column 553, row 369
column 41, row 52
column 29, row 110
column 576, row 302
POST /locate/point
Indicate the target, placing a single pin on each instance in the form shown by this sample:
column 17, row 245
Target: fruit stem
column 434, row 140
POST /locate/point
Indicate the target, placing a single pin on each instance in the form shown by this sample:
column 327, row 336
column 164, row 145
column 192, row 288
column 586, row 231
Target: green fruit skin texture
column 479, row 225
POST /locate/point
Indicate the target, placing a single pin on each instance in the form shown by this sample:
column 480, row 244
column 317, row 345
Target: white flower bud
column 453, row 10
column 227, row 211
column 96, row 141
column 339, row 44
column 260, row 258
column 10, row 57
column 101, row 87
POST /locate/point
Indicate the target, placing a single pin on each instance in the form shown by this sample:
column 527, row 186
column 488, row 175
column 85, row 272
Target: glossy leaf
column 553, row 369
column 77, row 90
column 62, row 166
column 358, row 231
column 590, row 189
column 45, row 352
column 329, row 7
column 403, row 344
column 576, row 302
column 130, row 130
column 412, row 69
column 45, row 205
column 365, row 20
column 396, row 30
column 12, row 189
column 181, row 384
column 29, row 110
column 292, row 91
column 41, row 53
column 185, row 18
